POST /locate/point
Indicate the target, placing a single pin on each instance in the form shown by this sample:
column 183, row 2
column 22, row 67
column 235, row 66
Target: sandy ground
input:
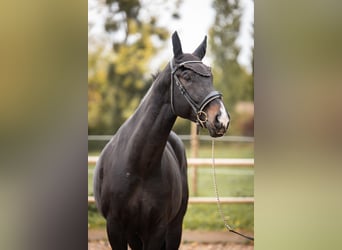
column 192, row 240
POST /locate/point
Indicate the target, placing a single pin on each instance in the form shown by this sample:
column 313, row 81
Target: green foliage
column 97, row 90
column 232, row 79
column 118, row 80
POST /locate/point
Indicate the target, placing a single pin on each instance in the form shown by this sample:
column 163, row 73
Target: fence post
column 194, row 154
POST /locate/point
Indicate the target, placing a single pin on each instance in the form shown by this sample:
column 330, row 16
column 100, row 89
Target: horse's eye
column 186, row 75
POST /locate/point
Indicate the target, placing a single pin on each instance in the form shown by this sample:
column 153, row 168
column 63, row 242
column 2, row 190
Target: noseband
column 201, row 116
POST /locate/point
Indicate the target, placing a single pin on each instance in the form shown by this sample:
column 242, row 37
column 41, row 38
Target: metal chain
column 218, row 197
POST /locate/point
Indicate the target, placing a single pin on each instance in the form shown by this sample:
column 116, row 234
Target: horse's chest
column 146, row 192
column 157, row 198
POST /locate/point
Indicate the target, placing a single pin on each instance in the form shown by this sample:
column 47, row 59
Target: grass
column 224, row 150
column 206, row 217
column 232, row 181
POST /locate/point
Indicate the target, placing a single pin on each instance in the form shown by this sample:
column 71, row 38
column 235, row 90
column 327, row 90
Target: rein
column 218, row 199
column 201, row 116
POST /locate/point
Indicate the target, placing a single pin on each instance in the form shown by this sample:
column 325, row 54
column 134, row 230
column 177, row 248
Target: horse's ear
column 176, row 44
column 201, row 49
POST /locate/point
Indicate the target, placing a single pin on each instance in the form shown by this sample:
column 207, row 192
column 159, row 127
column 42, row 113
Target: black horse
column 140, row 181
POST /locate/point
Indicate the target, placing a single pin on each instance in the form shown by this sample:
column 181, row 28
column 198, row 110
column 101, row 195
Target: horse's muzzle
column 218, row 119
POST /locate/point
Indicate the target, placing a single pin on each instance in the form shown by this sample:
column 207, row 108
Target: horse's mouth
column 214, row 132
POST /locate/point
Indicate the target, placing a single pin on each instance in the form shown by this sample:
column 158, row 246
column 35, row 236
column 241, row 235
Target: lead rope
column 218, row 198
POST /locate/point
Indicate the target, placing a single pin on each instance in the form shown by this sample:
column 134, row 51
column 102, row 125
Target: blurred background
column 128, row 41
column 44, row 129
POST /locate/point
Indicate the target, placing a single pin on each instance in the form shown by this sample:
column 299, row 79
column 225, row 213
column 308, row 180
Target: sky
column 196, row 17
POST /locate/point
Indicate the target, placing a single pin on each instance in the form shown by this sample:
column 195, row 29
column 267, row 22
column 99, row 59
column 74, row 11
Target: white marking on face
column 223, row 118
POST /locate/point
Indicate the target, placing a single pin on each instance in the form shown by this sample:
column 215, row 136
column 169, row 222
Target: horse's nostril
column 220, row 123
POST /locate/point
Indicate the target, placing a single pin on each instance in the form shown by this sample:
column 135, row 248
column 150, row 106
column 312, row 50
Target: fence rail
column 229, row 138
column 207, row 200
column 201, row 162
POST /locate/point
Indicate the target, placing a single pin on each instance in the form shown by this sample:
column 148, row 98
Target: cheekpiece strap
column 203, row 70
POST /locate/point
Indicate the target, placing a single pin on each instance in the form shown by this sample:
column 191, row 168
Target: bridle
column 201, row 116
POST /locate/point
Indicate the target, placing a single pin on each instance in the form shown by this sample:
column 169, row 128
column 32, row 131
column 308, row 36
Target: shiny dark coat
column 140, row 181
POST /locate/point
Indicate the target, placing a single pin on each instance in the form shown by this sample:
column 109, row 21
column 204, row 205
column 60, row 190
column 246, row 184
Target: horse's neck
column 150, row 125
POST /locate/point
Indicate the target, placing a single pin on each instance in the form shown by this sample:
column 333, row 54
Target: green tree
column 232, row 79
column 98, row 118
column 114, row 98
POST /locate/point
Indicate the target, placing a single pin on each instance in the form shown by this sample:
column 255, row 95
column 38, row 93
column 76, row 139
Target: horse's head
column 192, row 93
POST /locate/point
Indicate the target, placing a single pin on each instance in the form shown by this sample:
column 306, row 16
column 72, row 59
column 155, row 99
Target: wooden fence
column 196, row 162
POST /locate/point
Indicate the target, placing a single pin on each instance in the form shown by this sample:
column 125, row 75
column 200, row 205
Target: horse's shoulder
column 177, row 146
column 174, row 137
column 175, row 141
